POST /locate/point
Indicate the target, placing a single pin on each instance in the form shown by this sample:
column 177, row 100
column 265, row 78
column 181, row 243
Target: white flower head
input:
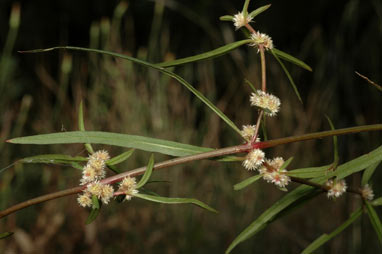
column 261, row 40
column 367, row 192
column 239, row 20
column 254, row 159
column 273, row 173
column 95, row 168
column 268, row 102
column 129, row 187
column 336, row 188
column 107, row 193
column 84, row 200
column 248, row 132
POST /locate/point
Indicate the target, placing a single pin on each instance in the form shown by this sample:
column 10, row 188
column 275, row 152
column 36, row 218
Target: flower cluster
column 261, row 40
column 239, row 20
column 268, row 102
column 272, row 172
column 254, row 159
column 92, row 172
column 248, row 132
column 367, row 192
column 336, row 188
column 128, row 186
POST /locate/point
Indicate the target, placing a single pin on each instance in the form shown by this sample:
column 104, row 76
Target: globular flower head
column 107, row 193
column 95, row 188
column 104, row 192
column 95, row 168
column 272, row 172
column 248, row 132
column 84, row 200
column 268, row 102
column 240, row 21
column 367, row 192
column 261, row 40
column 254, row 159
column 128, row 186
column 336, row 188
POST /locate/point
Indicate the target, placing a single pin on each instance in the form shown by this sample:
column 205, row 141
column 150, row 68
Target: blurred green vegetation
column 41, row 93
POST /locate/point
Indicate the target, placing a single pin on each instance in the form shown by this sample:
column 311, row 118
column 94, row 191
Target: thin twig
column 371, row 82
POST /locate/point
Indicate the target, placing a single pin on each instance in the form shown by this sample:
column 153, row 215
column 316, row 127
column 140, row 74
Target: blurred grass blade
column 375, row 221
column 206, row 55
column 369, row 171
column 226, row 18
column 5, row 235
column 377, row 202
column 335, row 143
column 269, row 214
column 246, row 182
column 120, row 158
column 259, row 10
column 309, row 172
column 251, row 85
column 115, row 139
column 229, row 158
column 288, row 75
column 291, row 59
column 81, row 126
column 165, row 200
column 154, row 66
column 147, row 174
column 326, row 237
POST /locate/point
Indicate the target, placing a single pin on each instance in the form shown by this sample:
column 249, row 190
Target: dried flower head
column 128, row 186
column 248, row 132
column 272, row 172
column 84, row 200
column 239, row 20
column 261, row 40
column 367, row 192
column 268, row 102
column 336, row 188
column 254, row 159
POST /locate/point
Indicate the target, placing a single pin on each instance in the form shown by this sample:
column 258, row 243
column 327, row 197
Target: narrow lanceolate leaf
column 291, row 59
column 309, row 172
column 368, row 173
column 259, row 10
column 154, row 66
column 335, row 143
column 5, row 235
column 92, row 216
column 226, row 18
column 147, row 174
column 120, row 158
column 375, row 221
column 53, row 159
column 326, row 237
column 288, row 75
column 377, row 202
column 115, row 139
column 286, row 163
column 165, row 200
column 246, row 182
column 81, row 126
column 206, row 55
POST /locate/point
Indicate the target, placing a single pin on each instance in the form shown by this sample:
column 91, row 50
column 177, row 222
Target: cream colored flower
column 84, row 200
column 239, row 20
column 248, row 132
column 367, row 192
column 336, row 188
column 268, row 102
column 129, row 187
column 253, row 159
column 261, row 40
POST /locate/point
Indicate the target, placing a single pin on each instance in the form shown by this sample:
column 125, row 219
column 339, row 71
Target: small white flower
column 248, row 132
column 239, row 20
column 84, row 200
column 128, row 186
column 261, row 40
column 367, row 192
column 254, row 159
column 274, row 174
column 107, row 193
column 336, row 188
column 268, row 102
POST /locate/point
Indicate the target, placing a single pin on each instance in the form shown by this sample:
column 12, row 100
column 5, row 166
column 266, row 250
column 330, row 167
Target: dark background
column 40, row 93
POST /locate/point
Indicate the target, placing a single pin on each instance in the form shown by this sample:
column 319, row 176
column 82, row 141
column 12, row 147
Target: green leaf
column 286, row 163
column 288, row 75
column 335, row 142
column 92, row 216
column 206, row 55
column 81, row 126
column 246, row 182
column 55, row 159
column 165, row 200
column 120, row 158
column 291, row 59
column 229, row 158
column 368, row 173
column 251, row 85
column 245, row 7
column 154, row 66
column 374, row 219
column 226, row 18
column 309, row 172
column 326, row 237
column 377, row 202
column 95, row 202
column 115, row 139
column 5, row 235
column 259, row 10
column 147, row 174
